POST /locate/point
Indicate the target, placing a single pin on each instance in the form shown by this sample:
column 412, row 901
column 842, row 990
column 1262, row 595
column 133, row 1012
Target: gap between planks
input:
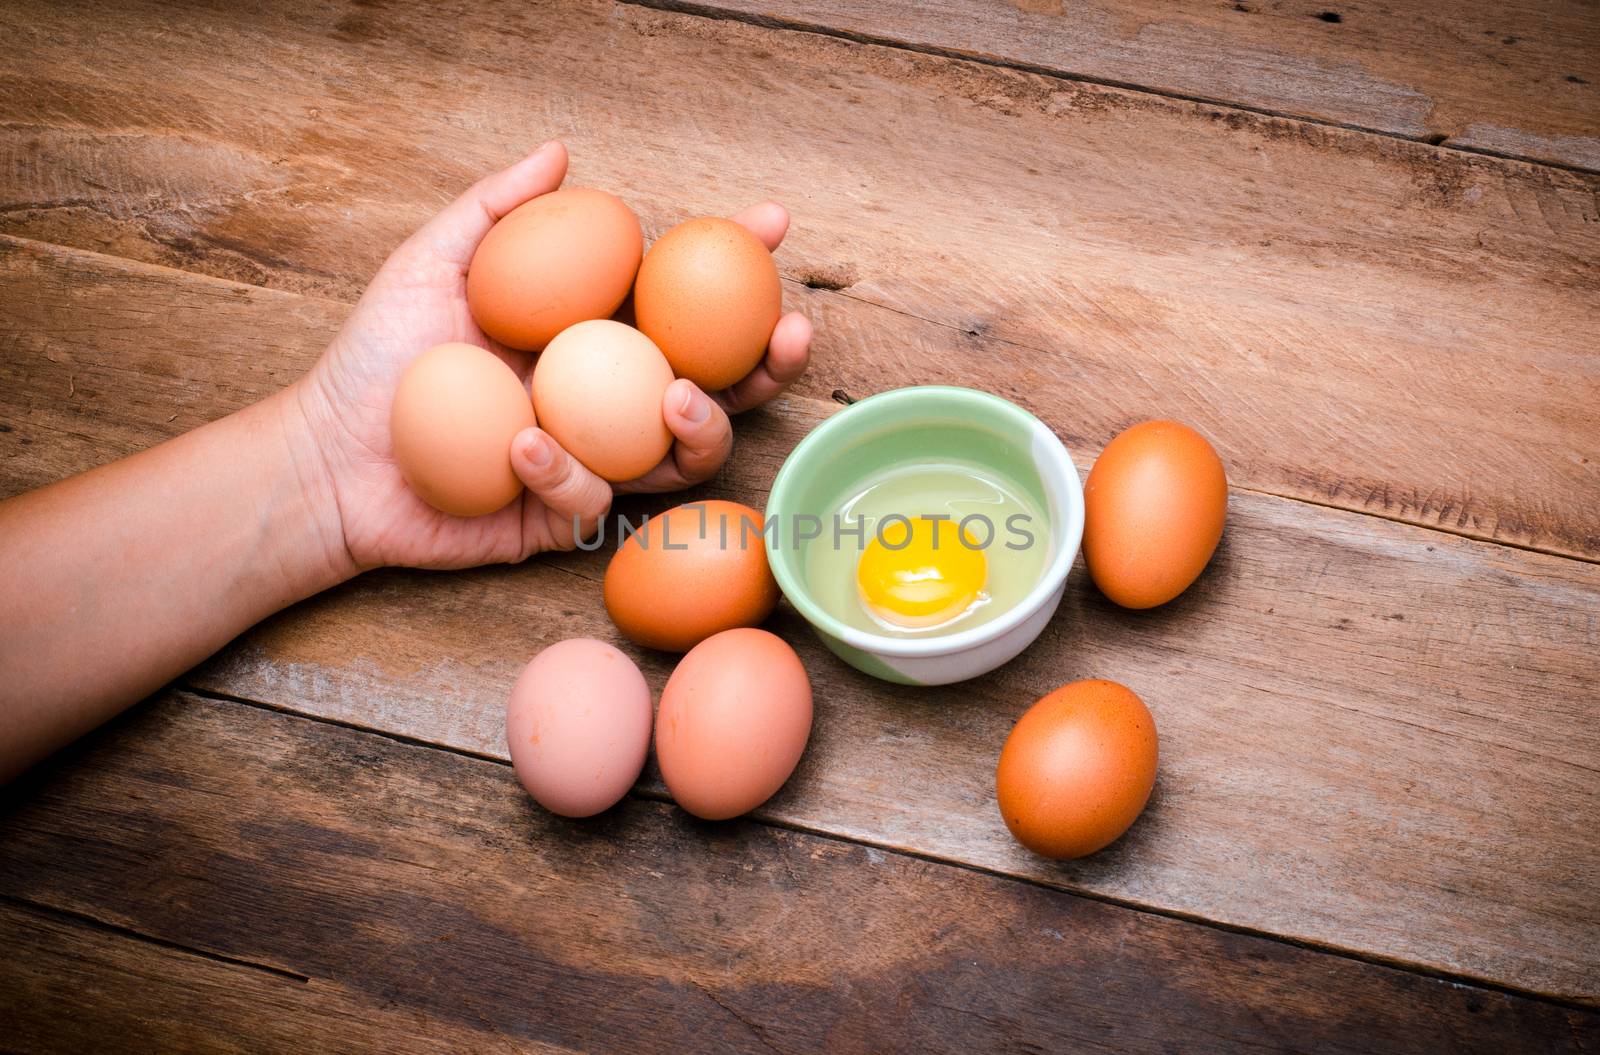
column 823, row 290
column 83, row 919
column 758, row 816
column 766, row 21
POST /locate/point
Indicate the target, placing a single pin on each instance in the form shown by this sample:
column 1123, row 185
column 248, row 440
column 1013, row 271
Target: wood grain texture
column 1374, row 737
column 424, row 887
column 1519, row 79
column 72, row 986
column 1354, row 320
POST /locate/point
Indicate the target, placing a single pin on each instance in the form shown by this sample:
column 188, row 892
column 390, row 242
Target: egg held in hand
column 734, row 721
column 578, row 727
column 1154, row 506
column 696, row 570
column 1077, row 769
column 920, row 572
column 598, row 389
column 455, row 413
column 709, row 295
column 556, row 260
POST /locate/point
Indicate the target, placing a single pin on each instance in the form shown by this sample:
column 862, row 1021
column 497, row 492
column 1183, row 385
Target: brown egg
column 708, row 294
column 1077, row 769
column 1153, row 507
column 696, row 570
column 559, row 259
column 598, row 389
column 734, row 721
column 455, row 412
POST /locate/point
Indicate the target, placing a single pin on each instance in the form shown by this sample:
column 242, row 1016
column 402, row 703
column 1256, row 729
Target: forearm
column 116, row 581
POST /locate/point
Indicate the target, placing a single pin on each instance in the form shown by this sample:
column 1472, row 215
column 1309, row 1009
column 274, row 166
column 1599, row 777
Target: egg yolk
column 919, row 573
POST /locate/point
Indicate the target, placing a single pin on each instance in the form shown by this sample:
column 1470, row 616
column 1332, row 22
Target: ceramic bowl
column 919, row 424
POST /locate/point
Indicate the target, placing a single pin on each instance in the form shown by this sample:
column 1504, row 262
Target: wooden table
column 1356, row 245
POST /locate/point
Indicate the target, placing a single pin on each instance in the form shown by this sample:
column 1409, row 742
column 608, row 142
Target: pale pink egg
column 578, row 727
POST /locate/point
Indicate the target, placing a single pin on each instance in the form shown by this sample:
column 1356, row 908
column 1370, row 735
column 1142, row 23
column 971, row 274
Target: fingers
column 574, row 498
column 788, row 353
column 454, row 234
column 767, row 220
column 790, row 348
column 704, row 439
column 704, row 434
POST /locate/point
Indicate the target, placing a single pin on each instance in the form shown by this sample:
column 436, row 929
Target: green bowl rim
column 1068, row 536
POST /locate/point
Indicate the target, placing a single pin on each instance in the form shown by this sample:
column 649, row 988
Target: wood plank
column 1375, row 737
column 69, row 985
column 99, row 359
column 426, row 884
column 1354, row 320
column 1521, row 80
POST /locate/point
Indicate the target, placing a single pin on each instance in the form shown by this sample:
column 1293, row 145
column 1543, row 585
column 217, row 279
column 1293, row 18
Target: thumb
column 453, row 235
column 574, row 498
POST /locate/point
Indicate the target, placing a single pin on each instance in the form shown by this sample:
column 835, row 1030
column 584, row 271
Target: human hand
column 419, row 299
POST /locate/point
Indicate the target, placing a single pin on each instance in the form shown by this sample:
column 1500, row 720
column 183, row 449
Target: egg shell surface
column 734, row 720
column 1077, row 769
column 1154, row 507
column 455, row 412
column 578, row 727
column 693, row 571
column 598, row 389
column 556, row 260
column 708, row 294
